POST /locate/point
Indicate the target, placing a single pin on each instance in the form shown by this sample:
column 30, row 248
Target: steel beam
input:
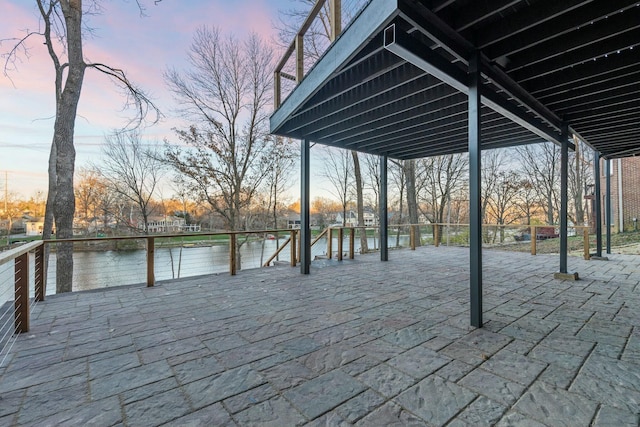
column 384, row 220
column 305, row 229
column 475, row 190
column 409, row 49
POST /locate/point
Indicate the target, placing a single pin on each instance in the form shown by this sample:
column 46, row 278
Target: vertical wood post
column 21, row 302
column 151, row 249
column 329, row 242
column 294, row 248
column 352, row 242
column 335, row 21
column 587, row 254
column 233, row 243
column 40, row 274
column 277, row 89
column 340, row 238
column 299, row 57
column 436, row 235
column 534, row 239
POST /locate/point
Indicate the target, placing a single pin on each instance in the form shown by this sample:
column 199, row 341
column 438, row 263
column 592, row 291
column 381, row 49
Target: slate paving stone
column 111, row 365
column 148, row 390
column 454, row 370
column 359, row 406
column 243, row 355
column 331, row 419
column 119, row 382
column 275, row 412
column 16, row 380
column 104, row 412
column 418, row 362
column 323, row 393
column 391, row 414
column 213, row 389
column 612, row 370
column 196, row 369
column 515, row 419
column 10, row 402
column 435, row 400
column 556, row 407
column 212, row 415
column 386, row 380
column 409, row 337
column 608, row 393
column 224, row 343
column 157, row 409
column 613, row 417
column 38, row 403
column 482, row 412
column 515, row 367
column 486, row 341
column 288, row 374
column 329, row 358
column 360, row 365
column 492, row 386
column 249, row 398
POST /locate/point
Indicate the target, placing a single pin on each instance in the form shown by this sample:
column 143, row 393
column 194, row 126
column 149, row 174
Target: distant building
column 171, row 224
column 625, row 193
column 34, row 226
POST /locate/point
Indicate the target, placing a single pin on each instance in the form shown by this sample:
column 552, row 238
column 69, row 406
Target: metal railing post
column 294, row 248
column 340, row 237
column 151, row 249
column 232, row 253
column 22, row 293
column 352, row 242
column 40, row 278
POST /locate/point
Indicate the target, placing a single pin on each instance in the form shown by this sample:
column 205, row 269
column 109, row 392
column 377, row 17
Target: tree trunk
column 64, row 204
column 364, row 248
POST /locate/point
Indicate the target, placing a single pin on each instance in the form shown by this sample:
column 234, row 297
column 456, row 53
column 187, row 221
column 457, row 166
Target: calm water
column 94, row 270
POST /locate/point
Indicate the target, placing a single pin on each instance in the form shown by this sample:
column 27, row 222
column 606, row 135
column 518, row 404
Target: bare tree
column 338, row 170
column 63, row 33
column 280, row 161
column 580, row 176
column 541, row 163
column 227, row 92
column 133, row 170
column 438, row 179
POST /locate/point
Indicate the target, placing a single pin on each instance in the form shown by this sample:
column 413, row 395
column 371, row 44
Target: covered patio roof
column 395, row 82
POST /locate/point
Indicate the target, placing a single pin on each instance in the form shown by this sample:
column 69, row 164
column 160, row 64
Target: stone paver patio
column 359, row 343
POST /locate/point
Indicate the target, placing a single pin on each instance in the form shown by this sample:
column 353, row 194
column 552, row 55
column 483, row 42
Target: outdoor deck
column 355, row 342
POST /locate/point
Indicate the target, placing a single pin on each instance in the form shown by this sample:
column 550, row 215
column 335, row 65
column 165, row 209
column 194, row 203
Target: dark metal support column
column 305, row 230
column 564, row 274
column 475, row 184
column 564, row 196
column 607, row 204
column 597, row 205
column 384, row 220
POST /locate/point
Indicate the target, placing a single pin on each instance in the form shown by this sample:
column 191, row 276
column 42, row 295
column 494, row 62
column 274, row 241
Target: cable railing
column 322, row 26
column 21, row 287
column 102, row 262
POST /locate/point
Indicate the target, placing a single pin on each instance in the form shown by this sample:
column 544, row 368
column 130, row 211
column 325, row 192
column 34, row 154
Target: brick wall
column 630, row 171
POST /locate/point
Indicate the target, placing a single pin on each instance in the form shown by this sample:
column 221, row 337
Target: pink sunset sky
column 144, row 46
